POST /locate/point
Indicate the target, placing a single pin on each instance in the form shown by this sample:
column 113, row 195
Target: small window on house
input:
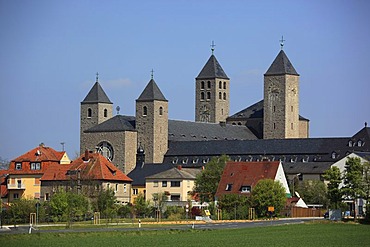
column 116, row 188
column 35, row 166
column 105, row 113
column 202, row 95
column 175, row 197
column 185, row 161
column 175, row 183
column 47, row 196
column 224, row 96
column 245, row 189
column 300, row 177
column 174, row 161
column 15, row 196
column 195, row 161
column 124, row 188
column 161, row 110
column 224, row 84
column 208, row 84
column 164, row 183
column 274, row 126
column 274, row 108
column 135, row 191
column 145, row 111
column 202, row 84
column 89, row 112
column 155, row 184
column 220, row 85
column 359, row 143
column 18, row 166
column 350, row 144
column 208, row 95
column 229, row 187
column 291, row 108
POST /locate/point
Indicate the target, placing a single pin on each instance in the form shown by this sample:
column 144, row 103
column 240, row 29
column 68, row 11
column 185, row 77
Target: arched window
column 145, row 111
column 220, row 85
column 224, row 84
column 208, row 84
column 89, row 112
column 202, row 95
column 220, row 95
column 208, row 95
column 224, row 96
column 105, row 113
column 359, row 143
column 202, row 84
column 161, row 110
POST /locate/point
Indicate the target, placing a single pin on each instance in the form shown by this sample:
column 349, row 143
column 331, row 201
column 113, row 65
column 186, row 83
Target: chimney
column 86, row 157
column 179, row 167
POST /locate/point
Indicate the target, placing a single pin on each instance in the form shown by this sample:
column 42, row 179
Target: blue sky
column 51, row 50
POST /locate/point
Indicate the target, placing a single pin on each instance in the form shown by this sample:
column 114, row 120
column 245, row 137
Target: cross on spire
column 213, row 46
column 151, row 74
column 282, row 42
column 97, row 77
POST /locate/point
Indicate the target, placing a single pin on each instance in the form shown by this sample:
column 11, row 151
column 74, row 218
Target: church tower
column 95, row 109
column 152, row 122
column 281, row 99
column 212, row 92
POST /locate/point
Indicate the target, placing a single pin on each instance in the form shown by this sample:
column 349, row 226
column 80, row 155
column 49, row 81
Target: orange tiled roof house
column 24, row 173
column 88, row 174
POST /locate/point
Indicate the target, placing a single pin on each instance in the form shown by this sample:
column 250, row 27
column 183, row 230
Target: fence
column 306, row 212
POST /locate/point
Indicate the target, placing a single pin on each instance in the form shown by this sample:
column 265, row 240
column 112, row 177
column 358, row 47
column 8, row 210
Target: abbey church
column 272, row 127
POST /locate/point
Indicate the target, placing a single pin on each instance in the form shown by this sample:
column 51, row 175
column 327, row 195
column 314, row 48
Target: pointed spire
column 96, row 94
column 151, row 92
column 212, row 69
column 281, row 66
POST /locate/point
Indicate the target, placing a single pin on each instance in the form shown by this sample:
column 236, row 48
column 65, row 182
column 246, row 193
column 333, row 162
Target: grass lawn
column 313, row 234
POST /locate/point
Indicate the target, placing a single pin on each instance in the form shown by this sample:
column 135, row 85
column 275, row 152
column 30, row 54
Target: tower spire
column 282, row 42
column 213, row 46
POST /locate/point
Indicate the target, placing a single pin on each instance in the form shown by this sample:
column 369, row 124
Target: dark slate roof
column 212, row 69
column 175, row 173
column 364, row 155
column 151, row 92
column 281, row 66
column 139, row 174
column 96, row 95
column 198, row 131
column 306, row 167
column 253, row 111
column 115, row 124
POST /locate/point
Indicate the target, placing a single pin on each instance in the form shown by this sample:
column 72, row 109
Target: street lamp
column 1, row 201
column 294, row 176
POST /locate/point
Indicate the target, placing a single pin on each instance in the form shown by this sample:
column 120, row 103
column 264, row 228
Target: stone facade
column 281, row 107
column 152, row 129
column 212, row 100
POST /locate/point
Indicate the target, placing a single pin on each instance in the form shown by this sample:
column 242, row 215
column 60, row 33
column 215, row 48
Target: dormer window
column 245, row 189
column 35, row 166
column 350, row 143
column 18, row 166
column 359, row 143
column 333, row 155
column 229, row 187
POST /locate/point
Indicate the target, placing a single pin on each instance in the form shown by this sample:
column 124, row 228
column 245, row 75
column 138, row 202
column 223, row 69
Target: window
column 18, row 166
column 350, row 144
column 47, row 196
column 89, row 112
column 185, row 161
column 105, row 113
column 116, row 188
column 219, row 95
column 220, row 85
column 224, row 84
column 229, row 187
column 15, row 196
column 208, row 84
column 274, row 108
column 291, row 125
column 333, row 155
column 135, row 191
column 124, row 188
column 108, row 186
column 274, row 126
column 175, row 197
column 245, row 189
column 202, row 95
column 202, row 84
column 155, row 184
column 208, row 95
column 300, row 177
column 164, row 183
column 224, row 96
column 161, row 110
column 291, row 108
column 35, row 166
column 145, row 111
column 359, row 143
column 175, row 183
column 37, row 195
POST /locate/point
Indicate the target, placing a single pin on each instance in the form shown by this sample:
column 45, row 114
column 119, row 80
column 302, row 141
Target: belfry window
column 220, row 85
column 202, row 84
column 224, row 84
column 161, row 110
column 208, row 95
column 224, row 96
column 89, row 112
column 105, row 113
column 220, row 95
column 208, row 84
column 202, row 96
column 145, row 111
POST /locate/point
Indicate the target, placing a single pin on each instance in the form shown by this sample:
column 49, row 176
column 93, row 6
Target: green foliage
column 174, row 213
column 313, row 192
column 366, row 167
column 20, row 210
column 334, row 177
column 141, row 206
column 125, row 211
column 234, row 206
column 206, row 182
column 106, row 203
column 266, row 193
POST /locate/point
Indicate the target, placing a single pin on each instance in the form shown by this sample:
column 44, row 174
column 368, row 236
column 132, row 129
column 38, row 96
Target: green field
column 313, row 234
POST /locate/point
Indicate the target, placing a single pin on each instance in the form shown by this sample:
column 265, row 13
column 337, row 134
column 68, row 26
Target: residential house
column 88, row 174
column 25, row 171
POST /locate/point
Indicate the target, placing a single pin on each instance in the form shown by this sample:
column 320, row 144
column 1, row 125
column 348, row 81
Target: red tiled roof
column 245, row 174
column 95, row 167
column 45, row 155
column 4, row 190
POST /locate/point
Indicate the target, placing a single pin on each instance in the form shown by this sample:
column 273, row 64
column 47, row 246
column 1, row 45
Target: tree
column 333, row 175
column 268, row 193
column 354, row 180
column 141, row 206
column 206, row 182
column 313, row 192
column 159, row 203
column 234, row 206
column 366, row 167
column 20, row 210
column 106, row 203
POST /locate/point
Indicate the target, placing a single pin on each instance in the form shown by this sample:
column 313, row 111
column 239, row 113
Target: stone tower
column 95, row 109
column 152, row 123
column 281, row 100
column 212, row 92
